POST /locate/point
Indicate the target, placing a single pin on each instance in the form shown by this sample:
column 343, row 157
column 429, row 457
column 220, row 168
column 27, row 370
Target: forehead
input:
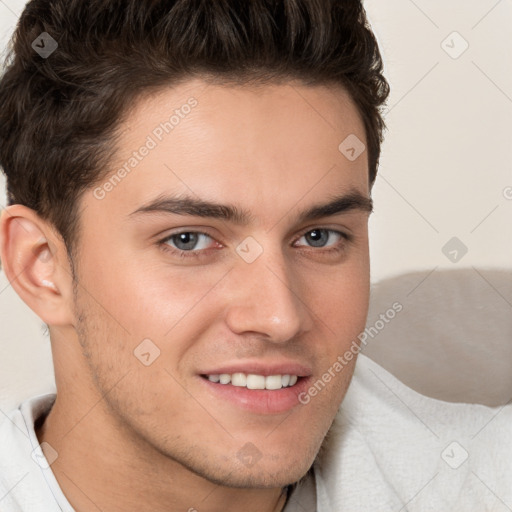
column 251, row 143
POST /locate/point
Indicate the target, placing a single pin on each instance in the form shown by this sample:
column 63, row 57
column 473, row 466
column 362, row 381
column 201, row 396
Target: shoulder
column 388, row 440
column 22, row 480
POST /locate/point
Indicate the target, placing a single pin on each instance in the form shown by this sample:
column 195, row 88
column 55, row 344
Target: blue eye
column 188, row 241
column 320, row 237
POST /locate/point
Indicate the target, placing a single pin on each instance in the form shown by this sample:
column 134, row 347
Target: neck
column 103, row 466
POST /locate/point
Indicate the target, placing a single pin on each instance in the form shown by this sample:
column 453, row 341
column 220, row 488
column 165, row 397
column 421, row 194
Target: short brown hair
column 59, row 114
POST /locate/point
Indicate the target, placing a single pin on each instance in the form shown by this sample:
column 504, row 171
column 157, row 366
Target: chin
column 252, row 469
column 264, row 477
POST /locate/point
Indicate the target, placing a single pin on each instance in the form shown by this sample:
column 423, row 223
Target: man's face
column 165, row 300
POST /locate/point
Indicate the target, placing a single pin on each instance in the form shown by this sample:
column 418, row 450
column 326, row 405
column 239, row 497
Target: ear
column 35, row 261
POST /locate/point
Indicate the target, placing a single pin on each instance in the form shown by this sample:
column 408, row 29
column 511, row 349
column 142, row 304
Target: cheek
column 132, row 310
column 340, row 300
column 148, row 299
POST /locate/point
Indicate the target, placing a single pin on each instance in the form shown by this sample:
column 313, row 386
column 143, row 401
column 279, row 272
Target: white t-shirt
column 390, row 449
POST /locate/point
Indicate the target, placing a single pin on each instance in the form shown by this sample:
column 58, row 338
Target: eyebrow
column 186, row 205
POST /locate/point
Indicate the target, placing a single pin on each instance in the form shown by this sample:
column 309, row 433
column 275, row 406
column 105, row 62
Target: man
column 189, row 186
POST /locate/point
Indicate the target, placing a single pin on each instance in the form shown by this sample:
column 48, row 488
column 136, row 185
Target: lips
column 258, row 387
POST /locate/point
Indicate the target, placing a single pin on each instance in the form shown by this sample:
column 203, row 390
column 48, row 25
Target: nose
column 265, row 298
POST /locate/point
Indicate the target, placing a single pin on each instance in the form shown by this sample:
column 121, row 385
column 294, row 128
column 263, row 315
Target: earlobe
column 29, row 250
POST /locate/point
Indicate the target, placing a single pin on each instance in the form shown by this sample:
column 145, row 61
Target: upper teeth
column 252, row 381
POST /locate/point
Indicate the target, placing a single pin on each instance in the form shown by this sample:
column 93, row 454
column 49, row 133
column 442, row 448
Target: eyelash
column 203, row 252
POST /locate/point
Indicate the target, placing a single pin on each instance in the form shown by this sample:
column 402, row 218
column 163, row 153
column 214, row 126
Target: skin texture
column 131, row 436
